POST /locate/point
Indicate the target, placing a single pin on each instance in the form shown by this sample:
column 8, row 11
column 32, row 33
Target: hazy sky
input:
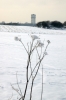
column 21, row 10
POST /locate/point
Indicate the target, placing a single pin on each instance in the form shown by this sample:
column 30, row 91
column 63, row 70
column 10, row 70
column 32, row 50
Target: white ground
column 13, row 59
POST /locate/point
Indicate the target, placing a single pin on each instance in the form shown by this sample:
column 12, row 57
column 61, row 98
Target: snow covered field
column 13, row 59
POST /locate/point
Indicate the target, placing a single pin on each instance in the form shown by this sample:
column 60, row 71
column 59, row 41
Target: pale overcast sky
column 21, row 10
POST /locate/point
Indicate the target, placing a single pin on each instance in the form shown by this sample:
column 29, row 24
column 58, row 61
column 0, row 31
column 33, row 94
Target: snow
column 13, row 58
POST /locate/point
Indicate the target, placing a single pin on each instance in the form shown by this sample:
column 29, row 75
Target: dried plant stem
column 28, row 62
column 31, row 89
column 35, row 69
column 42, row 84
column 19, row 86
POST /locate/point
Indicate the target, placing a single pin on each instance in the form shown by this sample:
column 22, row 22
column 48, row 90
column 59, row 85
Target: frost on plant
column 33, row 46
column 48, row 41
column 40, row 44
column 34, row 37
column 17, row 39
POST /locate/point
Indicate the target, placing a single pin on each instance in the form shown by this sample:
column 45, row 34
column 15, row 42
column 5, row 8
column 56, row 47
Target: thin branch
column 39, row 61
column 42, row 84
column 15, row 89
column 42, row 73
column 31, row 89
column 24, row 47
column 31, row 69
column 34, row 47
column 33, row 81
column 35, row 67
column 18, row 85
column 28, row 47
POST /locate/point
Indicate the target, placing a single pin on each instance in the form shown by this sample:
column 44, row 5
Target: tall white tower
column 33, row 19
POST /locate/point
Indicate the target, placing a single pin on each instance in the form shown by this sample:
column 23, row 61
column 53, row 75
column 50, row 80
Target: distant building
column 33, row 22
column 33, row 19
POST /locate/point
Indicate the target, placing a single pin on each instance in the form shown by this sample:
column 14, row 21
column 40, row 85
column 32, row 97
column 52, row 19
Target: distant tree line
column 43, row 24
column 11, row 23
column 48, row 24
column 16, row 24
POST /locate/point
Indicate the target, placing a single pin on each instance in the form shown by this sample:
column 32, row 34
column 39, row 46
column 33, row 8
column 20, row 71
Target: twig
column 18, row 85
column 24, row 46
column 42, row 84
column 15, row 89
